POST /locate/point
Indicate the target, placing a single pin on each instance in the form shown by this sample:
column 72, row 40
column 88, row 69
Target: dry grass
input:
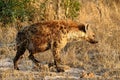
column 102, row 59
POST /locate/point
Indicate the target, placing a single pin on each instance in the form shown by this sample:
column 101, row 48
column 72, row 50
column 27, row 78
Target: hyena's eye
column 93, row 35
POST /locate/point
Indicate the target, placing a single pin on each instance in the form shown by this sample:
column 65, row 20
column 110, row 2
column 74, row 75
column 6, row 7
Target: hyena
column 53, row 35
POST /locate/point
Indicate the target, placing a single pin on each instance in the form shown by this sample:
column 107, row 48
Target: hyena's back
column 38, row 37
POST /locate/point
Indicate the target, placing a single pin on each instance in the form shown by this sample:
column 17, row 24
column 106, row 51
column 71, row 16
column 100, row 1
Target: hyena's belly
column 38, row 45
column 42, row 47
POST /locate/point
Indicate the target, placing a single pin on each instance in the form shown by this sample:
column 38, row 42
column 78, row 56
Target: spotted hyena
column 53, row 35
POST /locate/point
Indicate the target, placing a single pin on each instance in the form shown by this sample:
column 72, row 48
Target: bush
column 13, row 10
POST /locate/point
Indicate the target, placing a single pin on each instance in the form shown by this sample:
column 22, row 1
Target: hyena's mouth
column 92, row 41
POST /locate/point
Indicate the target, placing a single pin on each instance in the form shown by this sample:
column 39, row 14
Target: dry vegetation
column 95, row 62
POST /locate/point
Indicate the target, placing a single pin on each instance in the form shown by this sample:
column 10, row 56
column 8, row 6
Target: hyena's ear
column 86, row 27
column 82, row 27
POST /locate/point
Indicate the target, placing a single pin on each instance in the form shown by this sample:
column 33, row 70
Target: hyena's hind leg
column 31, row 57
column 21, row 47
column 20, row 51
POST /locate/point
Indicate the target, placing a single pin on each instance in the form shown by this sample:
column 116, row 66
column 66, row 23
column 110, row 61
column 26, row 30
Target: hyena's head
column 82, row 32
column 89, row 35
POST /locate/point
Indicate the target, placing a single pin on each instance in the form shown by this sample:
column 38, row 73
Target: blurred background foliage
column 71, row 7
column 12, row 11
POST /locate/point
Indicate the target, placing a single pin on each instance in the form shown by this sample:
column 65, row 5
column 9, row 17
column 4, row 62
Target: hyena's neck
column 75, row 36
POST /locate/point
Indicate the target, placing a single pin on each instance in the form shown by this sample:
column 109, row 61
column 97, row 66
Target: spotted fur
column 53, row 35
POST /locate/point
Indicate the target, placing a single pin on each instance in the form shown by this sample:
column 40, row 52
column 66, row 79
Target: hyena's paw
column 16, row 68
column 58, row 68
column 62, row 68
column 51, row 64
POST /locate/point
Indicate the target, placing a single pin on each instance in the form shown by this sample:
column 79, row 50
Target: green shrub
column 12, row 10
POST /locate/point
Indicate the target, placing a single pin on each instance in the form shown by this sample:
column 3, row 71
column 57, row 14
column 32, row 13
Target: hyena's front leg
column 57, row 59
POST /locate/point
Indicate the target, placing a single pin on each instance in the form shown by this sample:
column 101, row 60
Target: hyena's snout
column 92, row 39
